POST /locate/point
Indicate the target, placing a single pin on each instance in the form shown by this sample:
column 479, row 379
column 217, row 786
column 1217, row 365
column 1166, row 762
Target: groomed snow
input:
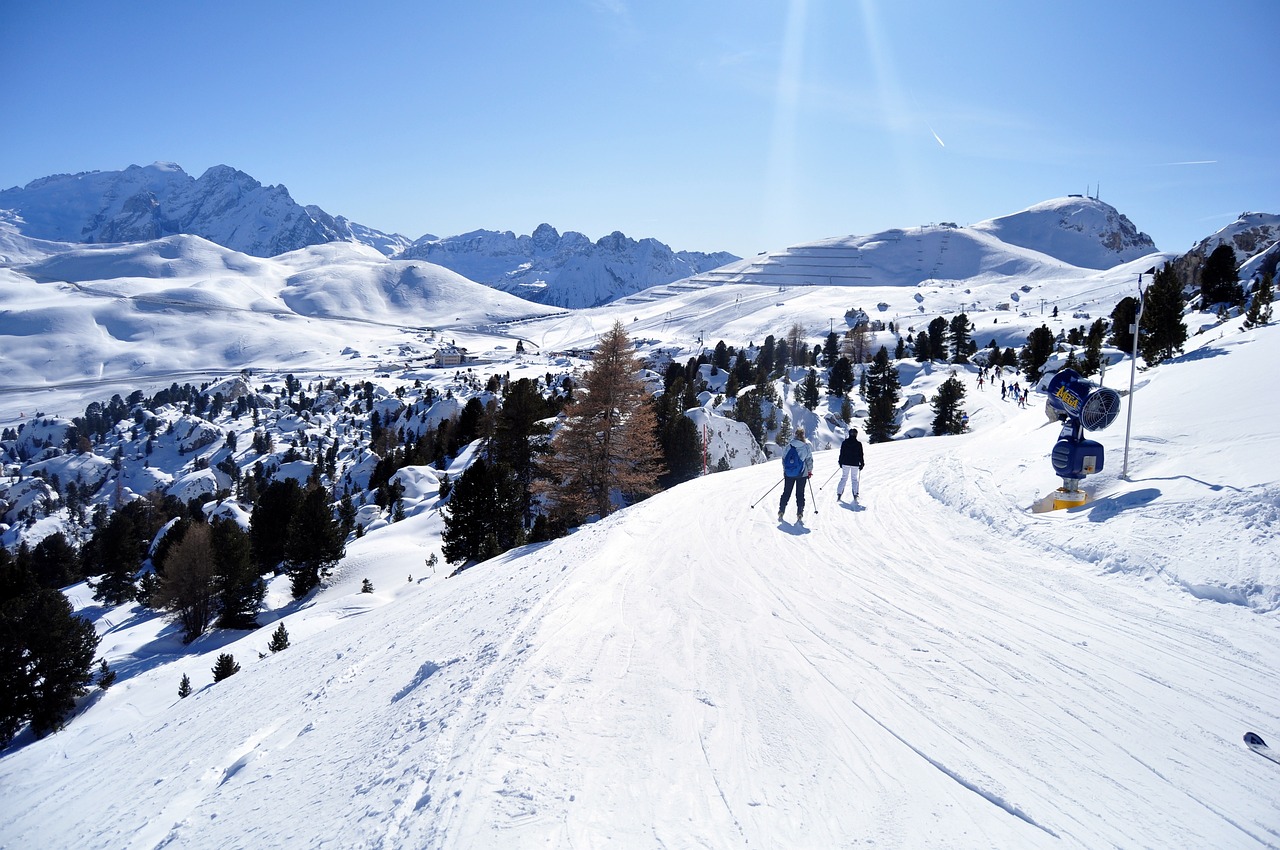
column 940, row 667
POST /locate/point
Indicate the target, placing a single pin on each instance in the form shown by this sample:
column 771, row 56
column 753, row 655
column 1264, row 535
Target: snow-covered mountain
column 223, row 205
column 234, row 210
column 564, row 270
column 1255, row 238
column 1081, row 231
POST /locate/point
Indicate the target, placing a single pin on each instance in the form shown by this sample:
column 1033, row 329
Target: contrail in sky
column 1195, row 162
column 936, row 136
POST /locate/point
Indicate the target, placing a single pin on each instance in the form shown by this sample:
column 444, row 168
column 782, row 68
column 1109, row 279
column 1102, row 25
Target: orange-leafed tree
column 606, row 452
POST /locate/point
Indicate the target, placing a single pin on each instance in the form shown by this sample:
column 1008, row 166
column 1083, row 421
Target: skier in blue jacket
column 797, row 467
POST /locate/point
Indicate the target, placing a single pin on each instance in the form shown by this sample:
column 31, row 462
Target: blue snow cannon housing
column 1076, row 458
column 1083, row 407
column 1092, row 406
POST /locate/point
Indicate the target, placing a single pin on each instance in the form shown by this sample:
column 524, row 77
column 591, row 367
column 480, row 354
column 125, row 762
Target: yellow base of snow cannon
column 1064, row 499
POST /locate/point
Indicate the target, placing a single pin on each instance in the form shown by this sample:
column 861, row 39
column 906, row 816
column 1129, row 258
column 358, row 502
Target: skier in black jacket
column 850, row 464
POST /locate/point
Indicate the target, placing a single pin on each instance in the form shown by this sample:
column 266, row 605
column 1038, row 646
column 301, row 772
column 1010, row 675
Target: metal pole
column 1133, row 368
column 766, row 493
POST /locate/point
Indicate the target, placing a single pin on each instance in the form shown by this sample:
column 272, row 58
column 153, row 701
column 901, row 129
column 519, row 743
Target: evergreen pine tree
column 46, row 655
column 1123, row 318
column 720, row 356
column 366, row 586
column 1035, row 353
column 280, row 638
column 226, row 666
column 240, row 589
column 315, row 544
column 764, row 360
column 484, row 515
column 1259, row 312
column 831, row 349
column 1163, row 333
column 269, row 524
column 809, row 394
column 841, row 379
column 747, row 411
column 938, row 338
column 959, row 332
column 1091, row 364
column 947, row 412
column 883, row 393
column 54, row 562
column 184, row 687
column 921, row 350
column 1220, row 279
column 115, row 554
column 106, row 676
column 519, row 436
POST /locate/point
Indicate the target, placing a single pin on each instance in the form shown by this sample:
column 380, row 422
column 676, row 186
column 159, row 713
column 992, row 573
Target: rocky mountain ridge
column 563, row 270
column 232, row 209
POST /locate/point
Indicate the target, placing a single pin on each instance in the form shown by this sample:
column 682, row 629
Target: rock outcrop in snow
column 1255, row 238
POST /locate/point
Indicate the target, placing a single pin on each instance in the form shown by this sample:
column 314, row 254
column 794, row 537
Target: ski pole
column 828, row 481
column 766, row 492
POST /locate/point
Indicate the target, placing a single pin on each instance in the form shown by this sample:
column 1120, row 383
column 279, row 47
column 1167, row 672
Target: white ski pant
column 850, row 474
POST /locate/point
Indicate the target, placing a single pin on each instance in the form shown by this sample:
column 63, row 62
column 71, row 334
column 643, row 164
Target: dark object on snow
column 1254, row 742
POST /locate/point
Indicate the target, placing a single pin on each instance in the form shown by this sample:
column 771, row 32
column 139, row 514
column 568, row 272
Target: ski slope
column 939, row 668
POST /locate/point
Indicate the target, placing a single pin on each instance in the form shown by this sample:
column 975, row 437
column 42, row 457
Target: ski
column 1254, row 742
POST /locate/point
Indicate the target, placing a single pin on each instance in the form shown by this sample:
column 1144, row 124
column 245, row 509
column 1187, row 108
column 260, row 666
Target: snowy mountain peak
column 1079, row 230
column 224, row 205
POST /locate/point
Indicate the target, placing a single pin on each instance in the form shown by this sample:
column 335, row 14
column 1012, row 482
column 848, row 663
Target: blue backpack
column 792, row 465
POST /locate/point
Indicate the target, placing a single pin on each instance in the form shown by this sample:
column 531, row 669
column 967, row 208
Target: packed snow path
column 928, row 671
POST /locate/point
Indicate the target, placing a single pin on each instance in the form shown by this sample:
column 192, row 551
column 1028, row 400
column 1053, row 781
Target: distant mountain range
column 566, row 270
column 232, row 209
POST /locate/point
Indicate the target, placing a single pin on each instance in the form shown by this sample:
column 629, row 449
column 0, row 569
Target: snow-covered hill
column 1080, row 231
column 108, row 315
column 566, row 270
column 939, row 667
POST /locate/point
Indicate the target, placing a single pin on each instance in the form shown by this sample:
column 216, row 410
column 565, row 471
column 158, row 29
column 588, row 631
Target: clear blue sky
column 742, row 126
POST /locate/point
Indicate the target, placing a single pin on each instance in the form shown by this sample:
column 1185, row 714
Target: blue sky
column 743, row 126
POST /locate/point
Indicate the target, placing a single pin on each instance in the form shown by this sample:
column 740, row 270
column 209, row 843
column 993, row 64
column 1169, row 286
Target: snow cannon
column 1093, row 406
column 1082, row 406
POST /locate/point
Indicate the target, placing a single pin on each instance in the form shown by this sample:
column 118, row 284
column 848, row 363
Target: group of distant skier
column 797, row 469
column 1014, row 390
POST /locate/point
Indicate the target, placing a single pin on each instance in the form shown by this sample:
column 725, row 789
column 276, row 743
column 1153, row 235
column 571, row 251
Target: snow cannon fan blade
column 1071, row 395
column 1100, row 409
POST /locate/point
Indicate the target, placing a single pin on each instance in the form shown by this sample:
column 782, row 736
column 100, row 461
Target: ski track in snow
column 938, row 667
